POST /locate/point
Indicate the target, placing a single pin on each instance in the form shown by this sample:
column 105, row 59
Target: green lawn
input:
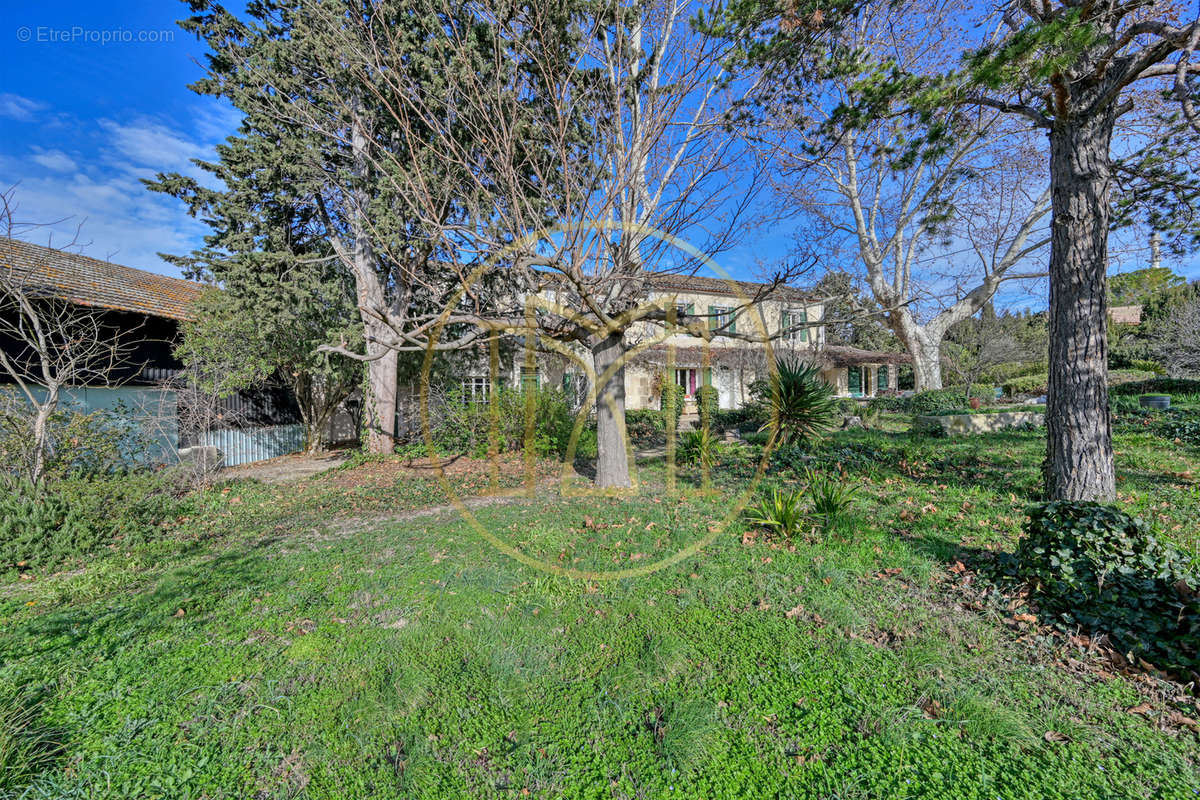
column 328, row 641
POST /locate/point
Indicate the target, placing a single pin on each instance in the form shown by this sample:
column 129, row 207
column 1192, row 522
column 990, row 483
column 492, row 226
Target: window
column 720, row 317
column 792, row 317
column 882, row 380
column 476, row 389
column 682, row 310
column 688, row 379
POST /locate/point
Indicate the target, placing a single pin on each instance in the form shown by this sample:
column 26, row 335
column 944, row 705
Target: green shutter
column 803, row 318
column 732, row 322
column 529, row 379
column 712, row 317
column 882, row 382
column 708, row 376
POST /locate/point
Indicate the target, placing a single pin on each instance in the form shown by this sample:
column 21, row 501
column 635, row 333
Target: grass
column 331, row 640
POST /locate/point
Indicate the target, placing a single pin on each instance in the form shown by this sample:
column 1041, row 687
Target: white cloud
column 19, row 108
column 91, row 184
column 54, row 160
column 146, row 143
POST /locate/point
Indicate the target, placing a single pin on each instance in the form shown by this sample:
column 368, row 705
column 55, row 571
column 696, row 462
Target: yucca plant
column 781, row 510
column 800, row 404
column 831, row 499
column 699, row 447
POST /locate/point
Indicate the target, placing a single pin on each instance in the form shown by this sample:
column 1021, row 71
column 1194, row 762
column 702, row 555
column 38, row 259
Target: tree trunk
column 1079, row 457
column 379, row 412
column 927, row 363
column 41, row 434
column 612, row 462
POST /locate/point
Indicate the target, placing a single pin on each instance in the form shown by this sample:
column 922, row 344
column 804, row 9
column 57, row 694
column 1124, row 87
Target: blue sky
column 93, row 97
column 83, row 119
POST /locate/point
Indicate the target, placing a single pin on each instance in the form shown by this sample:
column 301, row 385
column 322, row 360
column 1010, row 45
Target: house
column 731, row 365
column 145, row 310
column 1125, row 315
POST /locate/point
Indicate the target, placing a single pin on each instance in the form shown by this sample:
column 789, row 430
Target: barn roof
column 100, row 284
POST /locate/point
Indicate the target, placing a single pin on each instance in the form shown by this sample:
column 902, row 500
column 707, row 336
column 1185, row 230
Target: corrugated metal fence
column 254, row 444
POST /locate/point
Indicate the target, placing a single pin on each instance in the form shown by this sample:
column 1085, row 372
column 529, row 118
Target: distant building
column 1126, row 315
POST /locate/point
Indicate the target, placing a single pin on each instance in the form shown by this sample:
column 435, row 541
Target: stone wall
column 963, row 424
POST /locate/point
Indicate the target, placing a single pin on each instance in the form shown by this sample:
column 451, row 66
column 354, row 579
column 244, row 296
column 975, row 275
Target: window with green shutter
column 721, row 317
column 796, row 316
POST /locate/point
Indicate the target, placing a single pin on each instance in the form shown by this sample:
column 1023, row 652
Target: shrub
column 733, row 418
column 706, row 405
column 463, row 425
column 1026, row 384
column 944, row 401
column 1149, row 366
column 680, row 398
column 699, row 447
column 800, row 402
column 1097, row 567
column 645, row 427
column 758, row 438
column 1180, row 388
column 75, row 518
column 78, row 444
column 780, row 510
column 888, row 401
column 41, row 529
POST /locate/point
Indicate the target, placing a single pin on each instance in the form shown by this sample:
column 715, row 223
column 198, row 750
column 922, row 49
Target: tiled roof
column 100, row 284
column 832, row 355
column 721, row 286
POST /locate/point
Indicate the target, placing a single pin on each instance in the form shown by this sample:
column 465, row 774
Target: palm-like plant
column 781, row 510
column 800, row 403
column 831, row 499
column 699, row 447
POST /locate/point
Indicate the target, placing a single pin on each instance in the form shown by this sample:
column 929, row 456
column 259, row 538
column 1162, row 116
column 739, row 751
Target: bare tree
column 627, row 154
column 48, row 344
column 933, row 238
column 975, row 346
column 1178, row 341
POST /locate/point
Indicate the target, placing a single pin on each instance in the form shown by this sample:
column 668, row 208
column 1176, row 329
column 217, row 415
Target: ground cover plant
column 350, row 635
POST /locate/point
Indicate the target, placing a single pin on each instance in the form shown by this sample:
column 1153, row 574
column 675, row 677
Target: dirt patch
column 354, row 525
column 287, row 468
column 389, row 472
